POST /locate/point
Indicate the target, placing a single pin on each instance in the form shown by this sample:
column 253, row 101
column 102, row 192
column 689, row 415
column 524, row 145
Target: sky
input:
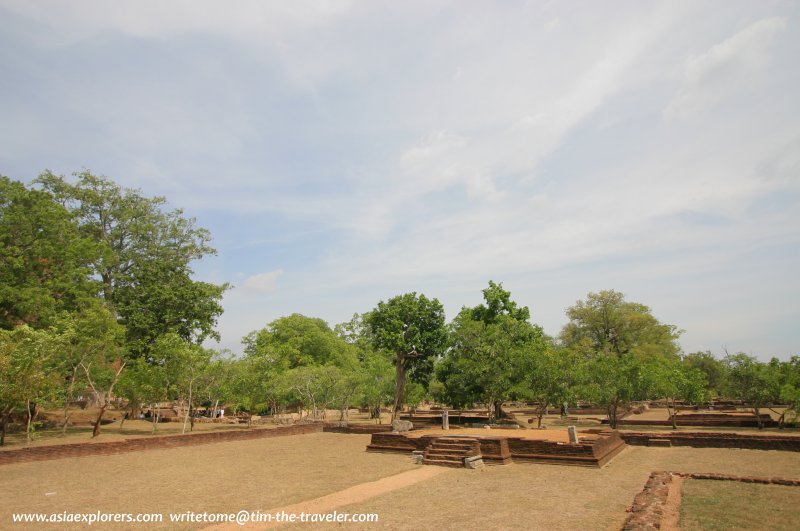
column 344, row 152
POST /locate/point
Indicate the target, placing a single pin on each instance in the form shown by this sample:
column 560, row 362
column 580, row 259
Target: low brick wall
column 716, row 440
column 504, row 450
column 357, row 428
column 58, row 451
column 648, row 506
column 708, row 421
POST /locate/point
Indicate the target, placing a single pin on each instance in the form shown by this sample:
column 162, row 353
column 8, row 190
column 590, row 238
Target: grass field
column 718, row 505
column 265, row 474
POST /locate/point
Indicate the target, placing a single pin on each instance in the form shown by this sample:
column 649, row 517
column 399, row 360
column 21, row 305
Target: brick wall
column 717, row 440
column 58, row 451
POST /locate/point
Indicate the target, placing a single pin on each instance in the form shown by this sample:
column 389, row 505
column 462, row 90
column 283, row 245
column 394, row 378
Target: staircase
column 453, row 451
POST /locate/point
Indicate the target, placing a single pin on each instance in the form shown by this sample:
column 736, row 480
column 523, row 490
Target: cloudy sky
column 345, row 152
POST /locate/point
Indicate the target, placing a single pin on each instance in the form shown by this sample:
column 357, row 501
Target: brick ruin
column 647, row 510
column 761, row 441
column 594, row 450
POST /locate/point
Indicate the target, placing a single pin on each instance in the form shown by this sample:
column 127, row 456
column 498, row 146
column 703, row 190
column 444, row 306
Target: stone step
column 465, row 449
column 441, row 462
column 444, row 451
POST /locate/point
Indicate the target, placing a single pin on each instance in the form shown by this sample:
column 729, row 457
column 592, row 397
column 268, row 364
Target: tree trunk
column 30, row 421
column 399, row 385
column 758, row 417
column 3, row 424
column 674, row 415
column 498, row 410
column 96, row 430
column 541, row 413
column 68, row 398
column 612, row 415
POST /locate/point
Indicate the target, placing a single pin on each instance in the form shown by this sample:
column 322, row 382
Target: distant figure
column 222, row 413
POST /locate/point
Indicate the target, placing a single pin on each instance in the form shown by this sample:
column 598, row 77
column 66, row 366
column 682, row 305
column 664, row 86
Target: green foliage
column 45, row 263
column 713, row 369
column 144, row 263
column 28, row 370
column 299, row 341
column 377, row 381
column 498, row 303
column 623, row 346
column 752, row 381
column 551, row 376
column 412, row 328
column 606, row 323
column 492, row 346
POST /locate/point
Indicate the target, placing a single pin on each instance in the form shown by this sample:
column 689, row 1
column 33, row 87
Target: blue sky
column 344, row 152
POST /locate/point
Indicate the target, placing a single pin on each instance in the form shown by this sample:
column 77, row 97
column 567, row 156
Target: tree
column 713, row 370
column 102, row 367
column 86, row 336
column 497, row 303
column 412, row 328
column 551, row 377
column 618, row 340
column 145, row 261
column 377, row 387
column 28, row 373
column 606, row 323
column 45, row 263
column 488, row 347
column 486, row 360
column 752, row 381
column 675, row 379
column 299, row 341
column 790, row 389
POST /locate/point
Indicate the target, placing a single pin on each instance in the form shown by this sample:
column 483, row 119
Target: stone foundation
column 501, row 450
column 761, row 441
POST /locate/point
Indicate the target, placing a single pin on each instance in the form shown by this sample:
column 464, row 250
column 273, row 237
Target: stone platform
column 594, row 449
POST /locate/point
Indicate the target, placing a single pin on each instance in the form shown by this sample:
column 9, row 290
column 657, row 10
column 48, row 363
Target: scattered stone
column 401, row 426
column 417, row 456
column 476, row 461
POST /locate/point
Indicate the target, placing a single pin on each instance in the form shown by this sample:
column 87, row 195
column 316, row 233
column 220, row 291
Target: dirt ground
column 266, row 474
column 559, row 435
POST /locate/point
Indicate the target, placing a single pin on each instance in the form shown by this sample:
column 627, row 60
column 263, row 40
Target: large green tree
column 145, row 263
column 618, row 340
column 606, row 323
column 298, row 341
column 45, row 262
column 491, row 346
column 412, row 328
column 752, row 381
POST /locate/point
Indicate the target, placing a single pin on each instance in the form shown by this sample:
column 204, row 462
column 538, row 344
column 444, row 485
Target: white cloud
column 263, row 282
column 728, row 67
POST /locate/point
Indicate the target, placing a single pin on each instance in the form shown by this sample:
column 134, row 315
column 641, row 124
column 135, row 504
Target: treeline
column 97, row 297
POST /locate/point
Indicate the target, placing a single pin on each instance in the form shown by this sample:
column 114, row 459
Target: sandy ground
column 325, row 471
column 549, row 435
column 672, row 508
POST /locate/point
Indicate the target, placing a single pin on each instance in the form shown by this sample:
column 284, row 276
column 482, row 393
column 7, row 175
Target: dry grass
column 269, row 473
column 222, row 477
column 527, row 496
column 717, row 505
